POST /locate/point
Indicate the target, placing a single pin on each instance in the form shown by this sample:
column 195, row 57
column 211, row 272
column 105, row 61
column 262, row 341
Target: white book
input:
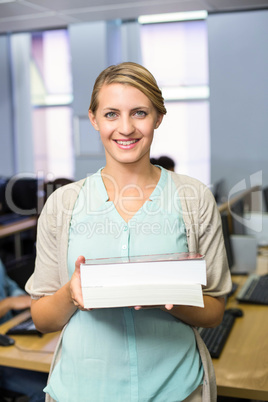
column 144, row 280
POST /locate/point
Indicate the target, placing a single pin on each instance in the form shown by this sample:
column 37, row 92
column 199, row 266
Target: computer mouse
column 5, row 340
column 237, row 312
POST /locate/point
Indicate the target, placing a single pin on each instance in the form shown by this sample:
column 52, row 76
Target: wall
column 21, row 57
column 89, row 57
column 6, row 129
column 16, row 151
column 238, row 63
column 95, row 46
column 238, row 70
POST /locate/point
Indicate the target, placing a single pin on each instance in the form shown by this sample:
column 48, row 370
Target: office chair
column 21, row 269
column 12, row 396
column 265, row 196
column 51, row 186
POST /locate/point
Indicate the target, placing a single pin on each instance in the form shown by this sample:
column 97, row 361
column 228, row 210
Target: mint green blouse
column 120, row 354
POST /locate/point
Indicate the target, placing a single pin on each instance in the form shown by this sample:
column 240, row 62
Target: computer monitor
column 3, row 204
column 217, row 190
column 227, row 240
column 265, row 196
column 21, row 195
column 237, row 214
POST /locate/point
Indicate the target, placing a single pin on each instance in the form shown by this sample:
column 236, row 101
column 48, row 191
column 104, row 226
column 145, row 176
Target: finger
column 80, row 260
column 78, row 302
column 75, row 302
column 168, row 306
column 75, row 284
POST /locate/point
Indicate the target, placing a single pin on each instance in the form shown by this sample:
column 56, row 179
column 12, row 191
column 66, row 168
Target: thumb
column 80, row 260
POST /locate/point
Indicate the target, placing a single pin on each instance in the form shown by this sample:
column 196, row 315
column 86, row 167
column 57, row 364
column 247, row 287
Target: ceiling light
column 185, row 93
column 170, row 17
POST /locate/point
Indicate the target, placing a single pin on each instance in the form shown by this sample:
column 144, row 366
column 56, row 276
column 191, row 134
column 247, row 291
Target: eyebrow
column 132, row 110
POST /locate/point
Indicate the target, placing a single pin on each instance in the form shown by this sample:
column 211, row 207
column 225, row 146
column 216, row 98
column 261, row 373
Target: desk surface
column 242, row 369
column 30, row 352
column 17, row 227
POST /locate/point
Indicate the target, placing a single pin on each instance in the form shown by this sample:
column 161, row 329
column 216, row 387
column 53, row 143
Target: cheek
column 149, row 129
column 106, row 132
column 105, row 128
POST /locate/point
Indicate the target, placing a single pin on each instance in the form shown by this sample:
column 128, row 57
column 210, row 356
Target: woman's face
column 126, row 120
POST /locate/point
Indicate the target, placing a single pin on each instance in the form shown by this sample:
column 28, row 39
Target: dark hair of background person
column 164, row 161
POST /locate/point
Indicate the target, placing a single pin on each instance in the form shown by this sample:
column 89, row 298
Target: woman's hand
column 166, row 306
column 209, row 316
column 75, row 285
column 51, row 313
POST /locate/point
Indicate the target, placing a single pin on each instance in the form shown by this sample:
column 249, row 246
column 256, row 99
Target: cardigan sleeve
column 204, row 232
column 211, row 244
column 45, row 280
column 51, row 271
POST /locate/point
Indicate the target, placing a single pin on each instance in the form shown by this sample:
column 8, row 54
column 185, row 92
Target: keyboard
column 255, row 290
column 215, row 338
column 25, row 327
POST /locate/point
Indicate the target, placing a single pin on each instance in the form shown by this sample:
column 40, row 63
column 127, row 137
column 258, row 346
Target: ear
column 159, row 120
column 92, row 119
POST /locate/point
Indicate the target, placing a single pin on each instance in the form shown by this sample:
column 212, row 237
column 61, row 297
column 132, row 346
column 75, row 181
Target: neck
column 130, row 173
column 140, row 174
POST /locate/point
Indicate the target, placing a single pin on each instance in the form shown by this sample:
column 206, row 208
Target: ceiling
column 26, row 15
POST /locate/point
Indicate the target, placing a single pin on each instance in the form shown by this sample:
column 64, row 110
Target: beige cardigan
column 204, row 235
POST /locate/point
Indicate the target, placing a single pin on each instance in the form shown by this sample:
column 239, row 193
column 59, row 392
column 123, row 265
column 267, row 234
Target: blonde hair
column 133, row 74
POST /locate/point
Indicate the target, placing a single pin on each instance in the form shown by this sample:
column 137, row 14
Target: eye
column 110, row 115
column 140, row 113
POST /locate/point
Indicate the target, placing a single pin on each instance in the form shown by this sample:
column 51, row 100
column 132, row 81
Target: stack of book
column 144, row 280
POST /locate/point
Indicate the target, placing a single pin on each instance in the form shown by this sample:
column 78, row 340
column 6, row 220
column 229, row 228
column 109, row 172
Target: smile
column 125, row 142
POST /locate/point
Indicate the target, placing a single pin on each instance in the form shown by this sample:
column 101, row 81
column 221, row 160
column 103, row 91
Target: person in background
column 165, row 161
column 12, row 300
column 153, row 161
column 127, row 208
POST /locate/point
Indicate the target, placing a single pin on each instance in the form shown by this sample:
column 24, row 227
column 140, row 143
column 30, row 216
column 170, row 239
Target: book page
column 142, row 295
column 189, row 271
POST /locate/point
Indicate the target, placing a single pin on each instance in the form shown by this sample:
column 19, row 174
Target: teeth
column 126, row 142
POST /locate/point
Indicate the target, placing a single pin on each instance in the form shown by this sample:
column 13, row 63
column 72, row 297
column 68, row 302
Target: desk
column 15, row 229
column 30, row 352
column 242, row 369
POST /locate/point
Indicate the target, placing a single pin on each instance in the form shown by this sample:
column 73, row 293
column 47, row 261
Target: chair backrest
column 11, row 396
column 51, row 186
column 265, row 196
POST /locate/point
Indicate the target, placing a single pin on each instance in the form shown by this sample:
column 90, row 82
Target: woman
column 128, row 208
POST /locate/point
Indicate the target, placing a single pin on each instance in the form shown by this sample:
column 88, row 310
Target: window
column 177, row 55
column 51, row 89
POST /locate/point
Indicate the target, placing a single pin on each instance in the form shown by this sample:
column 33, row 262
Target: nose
column 126, row 126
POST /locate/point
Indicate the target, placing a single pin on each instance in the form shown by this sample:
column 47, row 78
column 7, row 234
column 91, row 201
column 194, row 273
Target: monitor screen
column 217, row 191
column 21, row 195
column 3, row 204
column 265, row 195
column 237, row 214
column 227, row 240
